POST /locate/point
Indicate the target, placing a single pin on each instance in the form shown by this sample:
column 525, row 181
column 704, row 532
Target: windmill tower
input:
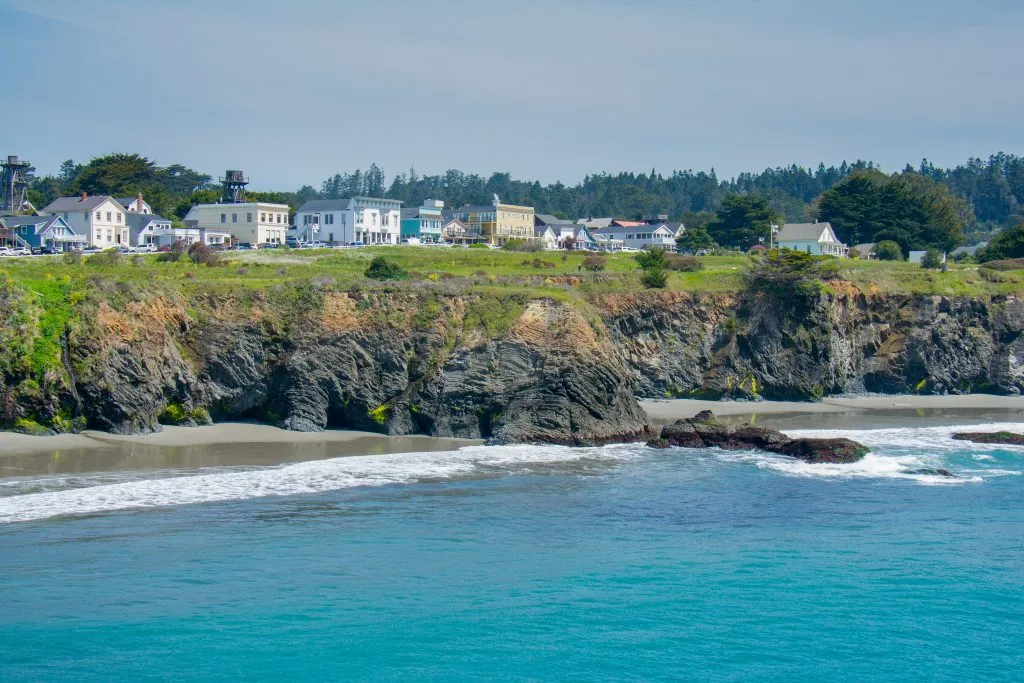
column 15, row 182
column 234, row 183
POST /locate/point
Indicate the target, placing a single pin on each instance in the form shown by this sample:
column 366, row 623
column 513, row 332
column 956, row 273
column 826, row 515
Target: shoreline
column 235, row 433
column 856, row 411
column 674, row 409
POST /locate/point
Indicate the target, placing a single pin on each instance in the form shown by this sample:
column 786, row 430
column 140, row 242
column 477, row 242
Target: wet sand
column 860, row 412
column 221, row 445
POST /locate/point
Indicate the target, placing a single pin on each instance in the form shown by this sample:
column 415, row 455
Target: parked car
column 356, row 244
column 146, row 248
column 17, row 251
column 91, row 250
column 44, row 251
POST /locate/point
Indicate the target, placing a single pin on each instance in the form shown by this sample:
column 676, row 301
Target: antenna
column 15, row 183
column 234, row 183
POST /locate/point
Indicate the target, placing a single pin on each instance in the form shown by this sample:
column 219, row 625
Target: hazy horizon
column 551, row 91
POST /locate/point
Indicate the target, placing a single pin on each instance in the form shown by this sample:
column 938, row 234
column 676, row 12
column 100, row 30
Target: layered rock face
column 371, row 365
column 720, row 347
column 512, row 369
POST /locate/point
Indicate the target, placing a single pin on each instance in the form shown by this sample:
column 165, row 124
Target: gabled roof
column 806, row 232
column 128, row 201
column 41, row 223
column 595, row 222
column 629, row 224
column 139, row 221
column 541, row 230
column 67, row 204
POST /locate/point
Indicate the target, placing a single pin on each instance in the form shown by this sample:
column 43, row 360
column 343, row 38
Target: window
column 119, row 218
column 223, row 218
column 108, row 216
column 234, row 218
column 263, row 218
column 280, row 218
column 99, row 216
column 248, row 218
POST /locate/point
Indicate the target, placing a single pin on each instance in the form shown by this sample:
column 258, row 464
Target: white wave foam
column 917, row 438
column 900, row 454
column 300, row 478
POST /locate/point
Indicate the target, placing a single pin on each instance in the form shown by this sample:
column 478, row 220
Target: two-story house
column 424, row 222
column 100, row 219
column 247, row 222
column 44, row 232
column 364, row 220
column 499, row 223
column 633, row 235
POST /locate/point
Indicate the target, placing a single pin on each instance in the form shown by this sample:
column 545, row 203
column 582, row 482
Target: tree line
column 917, row 207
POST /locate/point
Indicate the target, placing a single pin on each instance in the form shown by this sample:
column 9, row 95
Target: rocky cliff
column 510, row 368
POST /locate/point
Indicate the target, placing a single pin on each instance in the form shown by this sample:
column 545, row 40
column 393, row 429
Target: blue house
column 424, row 222
column 45, row 232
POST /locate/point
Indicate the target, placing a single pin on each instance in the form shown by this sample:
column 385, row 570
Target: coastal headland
column 479, row 344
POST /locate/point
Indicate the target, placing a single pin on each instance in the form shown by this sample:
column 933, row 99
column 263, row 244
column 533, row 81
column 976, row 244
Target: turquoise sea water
column 618, row 563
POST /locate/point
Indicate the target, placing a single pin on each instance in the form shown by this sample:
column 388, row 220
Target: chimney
column 138, row 201
column 85, row 195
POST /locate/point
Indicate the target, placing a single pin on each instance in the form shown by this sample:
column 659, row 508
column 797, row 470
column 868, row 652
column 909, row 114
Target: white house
column 359, row 219
column 641, row 236
column 148, row 228
column 247, row 222
column 814, row 238
column 135, row 204
column 547, row 236
column 100, row 219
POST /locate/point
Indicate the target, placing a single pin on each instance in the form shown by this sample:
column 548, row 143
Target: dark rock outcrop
column 705, row 431
column 1006, row 438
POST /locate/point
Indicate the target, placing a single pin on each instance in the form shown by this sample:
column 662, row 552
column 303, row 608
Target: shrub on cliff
column 654, row 278
column 932, row 260
column 381, row 268
column 595, row 263
column 651, row 258
column 1009, row 244
column 785, row 273
column 204, row 254
column 685, row 263
column 887, row 250
column 104, row 258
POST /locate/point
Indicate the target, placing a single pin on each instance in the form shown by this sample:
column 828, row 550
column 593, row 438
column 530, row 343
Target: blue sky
column 295, row 91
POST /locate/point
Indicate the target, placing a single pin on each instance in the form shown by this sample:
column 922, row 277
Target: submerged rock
column 704, row 430
column 934, row 471
column 1007, row 438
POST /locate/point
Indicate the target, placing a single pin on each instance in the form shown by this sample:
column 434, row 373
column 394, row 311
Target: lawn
column 558, row 274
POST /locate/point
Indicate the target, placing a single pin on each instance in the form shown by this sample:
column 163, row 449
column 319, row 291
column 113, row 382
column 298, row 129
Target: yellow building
column 498, row 222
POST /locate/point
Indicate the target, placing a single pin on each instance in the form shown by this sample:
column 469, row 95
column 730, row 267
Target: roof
column 540, row 230
column 629, row 224
column 548, row 219
column 138, row 221
column 803, row 232
column 61, row 204
column 42, row 223
column 595, row 222
column 865, row 248
column 324, row 205
column 126, row 201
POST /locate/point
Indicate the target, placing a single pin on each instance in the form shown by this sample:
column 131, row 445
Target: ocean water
column 510, row 563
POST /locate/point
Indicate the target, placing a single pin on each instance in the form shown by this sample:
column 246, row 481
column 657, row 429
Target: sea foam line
column 316, row 476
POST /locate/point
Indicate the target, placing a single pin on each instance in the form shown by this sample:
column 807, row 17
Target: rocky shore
column 506, row 369
column 704, row 430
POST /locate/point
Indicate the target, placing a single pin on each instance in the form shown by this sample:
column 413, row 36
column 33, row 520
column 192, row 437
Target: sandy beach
column 858, row 412
column 229, row 444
